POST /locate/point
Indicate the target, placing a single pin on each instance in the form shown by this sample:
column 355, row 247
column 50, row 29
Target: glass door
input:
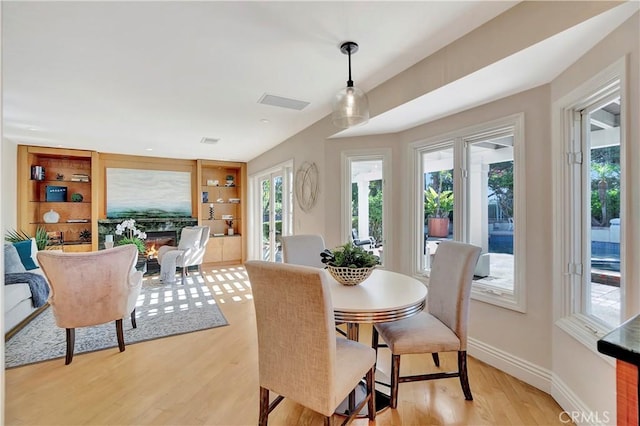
column 275, row 201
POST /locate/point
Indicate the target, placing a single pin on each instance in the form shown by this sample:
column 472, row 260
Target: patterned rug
column 161, row 311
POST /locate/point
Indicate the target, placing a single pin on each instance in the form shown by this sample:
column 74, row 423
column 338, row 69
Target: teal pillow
column 24, row 251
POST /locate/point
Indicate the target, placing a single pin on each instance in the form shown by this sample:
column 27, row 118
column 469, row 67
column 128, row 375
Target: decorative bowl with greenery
column 349, row 264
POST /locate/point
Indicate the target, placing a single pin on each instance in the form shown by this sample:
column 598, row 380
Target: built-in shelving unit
column 223, row 199
column 76, row 226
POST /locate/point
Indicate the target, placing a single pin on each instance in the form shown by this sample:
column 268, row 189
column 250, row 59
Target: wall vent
column 209, row 141
column 281, row 102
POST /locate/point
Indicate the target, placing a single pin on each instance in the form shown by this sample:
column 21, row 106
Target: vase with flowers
column 229, row 223
column 130, row 235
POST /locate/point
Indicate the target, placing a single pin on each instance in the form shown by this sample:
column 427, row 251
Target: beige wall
column 9, row 185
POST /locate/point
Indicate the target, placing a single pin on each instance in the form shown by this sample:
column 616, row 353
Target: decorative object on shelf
column 55, row 238
column 131, row 235
column 37, row 173
column 55, row 193
column 229, row 223
column 85, row 235
column 220, row 200
column 211, row 211
column 307, row 186
column 51, row 216
column 213, row 182
column 230, row 180
column 76, row 197
column 108, row 241
column 205, row 197
column 349, row 264
column 234, row 200
column 350, row 105
column 79, row 177
column 59, row 176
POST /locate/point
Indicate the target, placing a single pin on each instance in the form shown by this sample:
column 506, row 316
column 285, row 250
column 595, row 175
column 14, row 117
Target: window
column 365, row 210
column 468, row 190
column 592, row 195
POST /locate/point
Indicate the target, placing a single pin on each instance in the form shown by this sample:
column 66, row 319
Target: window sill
column 585, row 331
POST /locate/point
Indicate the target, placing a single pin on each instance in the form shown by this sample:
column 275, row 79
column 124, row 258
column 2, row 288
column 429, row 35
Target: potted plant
column 131, row 235
column 229, row 223
column 438, row 205
column 349, row 264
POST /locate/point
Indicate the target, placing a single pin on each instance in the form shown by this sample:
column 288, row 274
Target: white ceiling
column 154, row 78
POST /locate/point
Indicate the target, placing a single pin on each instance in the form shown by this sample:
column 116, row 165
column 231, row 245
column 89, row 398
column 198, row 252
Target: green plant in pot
column 437, row 207
column 349, row 264
column 42, row 239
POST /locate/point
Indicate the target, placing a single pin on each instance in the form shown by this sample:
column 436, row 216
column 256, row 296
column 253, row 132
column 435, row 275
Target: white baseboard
column 571, row 403
column 522, row 369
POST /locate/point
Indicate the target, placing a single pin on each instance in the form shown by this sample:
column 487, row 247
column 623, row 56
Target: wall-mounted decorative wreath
column 307, row 186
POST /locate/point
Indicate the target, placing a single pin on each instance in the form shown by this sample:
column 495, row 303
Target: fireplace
column 155, row 240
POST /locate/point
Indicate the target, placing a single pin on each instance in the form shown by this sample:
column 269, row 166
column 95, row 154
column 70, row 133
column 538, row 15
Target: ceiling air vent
column 209, row 141
column 281, row 102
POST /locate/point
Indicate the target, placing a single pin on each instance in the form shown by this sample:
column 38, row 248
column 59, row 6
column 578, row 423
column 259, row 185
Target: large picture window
column 468, row 190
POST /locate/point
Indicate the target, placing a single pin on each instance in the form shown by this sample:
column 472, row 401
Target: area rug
column 161, row 311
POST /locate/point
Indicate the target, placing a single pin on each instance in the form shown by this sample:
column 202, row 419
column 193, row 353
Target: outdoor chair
column 366, row 241
column 93, row 288
column 308, row 365
column 444, row 327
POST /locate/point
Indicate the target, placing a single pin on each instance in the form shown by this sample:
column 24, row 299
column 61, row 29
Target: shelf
column 221, row 186
column 62, row 223
column 58, row 181
column 60, row 202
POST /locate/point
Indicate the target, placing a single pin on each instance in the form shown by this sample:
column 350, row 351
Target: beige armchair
column 92, row 288
column 192, row 246
column 444, row 327
column 309, row 365
column 303, row 250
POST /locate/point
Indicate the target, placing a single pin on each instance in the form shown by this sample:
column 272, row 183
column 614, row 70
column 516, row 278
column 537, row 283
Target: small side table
column 141, row 264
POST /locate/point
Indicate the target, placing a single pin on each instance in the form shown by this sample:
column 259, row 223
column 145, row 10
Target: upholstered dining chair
column 444, row 327
column 193, row 245
column 93, row 288
column 311, row 365
column 303, row 250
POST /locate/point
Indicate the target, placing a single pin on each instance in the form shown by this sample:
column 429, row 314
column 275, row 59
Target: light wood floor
column 210, row 378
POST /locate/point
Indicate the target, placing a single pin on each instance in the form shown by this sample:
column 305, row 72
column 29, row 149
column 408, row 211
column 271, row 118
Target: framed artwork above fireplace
column 139, row 193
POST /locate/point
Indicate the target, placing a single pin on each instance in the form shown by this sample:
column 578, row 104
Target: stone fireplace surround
column 108, row 226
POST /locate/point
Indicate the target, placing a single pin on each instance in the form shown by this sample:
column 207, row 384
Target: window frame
column 460, row 140
column 569, row 286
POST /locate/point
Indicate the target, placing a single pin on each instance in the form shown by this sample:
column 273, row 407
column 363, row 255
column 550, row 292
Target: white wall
column 9, row 185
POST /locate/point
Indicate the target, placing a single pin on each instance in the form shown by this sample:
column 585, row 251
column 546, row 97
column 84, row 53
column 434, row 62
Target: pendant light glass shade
column 350, row 105
column 350, row 108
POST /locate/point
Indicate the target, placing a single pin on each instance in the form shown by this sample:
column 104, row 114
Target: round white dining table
column 383, row 296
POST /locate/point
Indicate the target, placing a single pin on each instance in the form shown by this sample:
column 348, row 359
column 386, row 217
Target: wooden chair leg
column 327, row 421
column 71, row 341
column 120, row 333
column 264, row 406
column 436, row 359
column 133, row 318
column 395, row 379
column 371, row 390
column 464, row 378
column 374, row 340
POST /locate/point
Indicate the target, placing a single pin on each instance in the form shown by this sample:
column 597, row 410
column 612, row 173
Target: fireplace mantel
column 108, row 226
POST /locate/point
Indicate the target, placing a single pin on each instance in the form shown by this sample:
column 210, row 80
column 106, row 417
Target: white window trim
column 347, row 156
column 254, row 240
column 585, row 329
column 517, row 300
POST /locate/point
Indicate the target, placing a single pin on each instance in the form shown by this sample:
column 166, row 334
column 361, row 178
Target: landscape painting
column 136, row 193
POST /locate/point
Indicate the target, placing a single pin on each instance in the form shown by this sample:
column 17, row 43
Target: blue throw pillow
column 24, row 251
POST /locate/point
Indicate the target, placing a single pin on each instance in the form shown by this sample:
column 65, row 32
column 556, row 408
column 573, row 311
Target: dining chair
column 93, row 288
column 308, row 365
column 443, row 327
column 303, row 250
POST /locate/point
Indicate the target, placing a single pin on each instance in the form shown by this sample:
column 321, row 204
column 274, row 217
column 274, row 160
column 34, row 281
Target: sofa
column 19, row 301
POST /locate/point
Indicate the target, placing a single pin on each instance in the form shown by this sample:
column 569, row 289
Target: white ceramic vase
column 51, row 216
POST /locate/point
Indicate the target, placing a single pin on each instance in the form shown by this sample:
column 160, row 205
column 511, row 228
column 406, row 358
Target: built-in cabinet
column 56, row 191
column 222, row 208
column 218, row 192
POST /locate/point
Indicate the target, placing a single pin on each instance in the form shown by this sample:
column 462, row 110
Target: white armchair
column 190, row 252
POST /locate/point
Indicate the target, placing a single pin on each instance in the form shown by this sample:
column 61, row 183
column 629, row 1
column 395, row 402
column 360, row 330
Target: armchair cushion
column 190, row 238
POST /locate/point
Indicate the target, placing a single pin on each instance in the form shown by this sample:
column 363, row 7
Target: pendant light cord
column 349, row 82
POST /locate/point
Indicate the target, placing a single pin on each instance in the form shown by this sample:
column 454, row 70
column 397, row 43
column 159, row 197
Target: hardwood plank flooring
column 211, row 378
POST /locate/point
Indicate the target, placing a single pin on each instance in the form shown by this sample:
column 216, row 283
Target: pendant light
column 350, row 105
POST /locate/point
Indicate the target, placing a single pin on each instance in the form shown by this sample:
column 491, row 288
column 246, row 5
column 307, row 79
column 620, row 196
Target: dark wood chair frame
column 266, row 408
column 396, row 379
column 71, row 337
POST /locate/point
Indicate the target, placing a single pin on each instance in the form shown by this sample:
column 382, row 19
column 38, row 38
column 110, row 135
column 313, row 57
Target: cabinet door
column 232, row 249
column 214, row 250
